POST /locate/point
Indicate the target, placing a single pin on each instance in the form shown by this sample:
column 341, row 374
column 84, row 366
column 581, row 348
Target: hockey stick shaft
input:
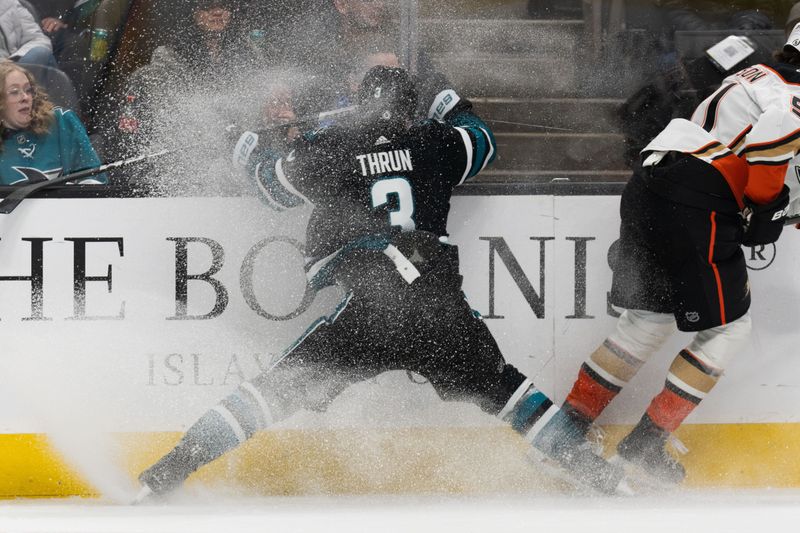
column 10, row 202
column 790, row 220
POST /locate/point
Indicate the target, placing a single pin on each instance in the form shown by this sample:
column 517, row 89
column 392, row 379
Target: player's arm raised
column 476, row 138
column 265, row 166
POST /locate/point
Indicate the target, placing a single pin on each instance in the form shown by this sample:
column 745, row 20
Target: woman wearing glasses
column 37, row 135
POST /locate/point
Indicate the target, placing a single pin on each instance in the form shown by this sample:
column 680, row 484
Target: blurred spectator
column 37, row 135
column 792, row 19
column 717, row 14
column 55, row 17
column 336, row 44
column 80, row 29
column 205, row 52
column 326, row 39
column 428, row 81
column 83, row 33
column 22, row 38
column 278, row 115
column 681, row 83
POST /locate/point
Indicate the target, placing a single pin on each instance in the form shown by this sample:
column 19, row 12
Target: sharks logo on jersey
column 27, row 153
column 34, row 175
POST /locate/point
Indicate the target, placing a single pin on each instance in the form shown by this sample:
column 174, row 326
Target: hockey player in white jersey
column 707, row 186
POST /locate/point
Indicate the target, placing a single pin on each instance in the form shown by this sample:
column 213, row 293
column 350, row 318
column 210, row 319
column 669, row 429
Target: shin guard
column 222, row 428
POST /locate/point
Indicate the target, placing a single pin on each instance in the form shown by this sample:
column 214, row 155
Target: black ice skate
column 645, row 450
column 166, row 475
column 564, row 444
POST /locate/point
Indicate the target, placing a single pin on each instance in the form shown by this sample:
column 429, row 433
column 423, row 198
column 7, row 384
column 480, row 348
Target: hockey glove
column 245, row 146
column 764, row 223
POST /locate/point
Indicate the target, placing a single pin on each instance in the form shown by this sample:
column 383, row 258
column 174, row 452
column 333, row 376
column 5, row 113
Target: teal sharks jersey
column 63, row 150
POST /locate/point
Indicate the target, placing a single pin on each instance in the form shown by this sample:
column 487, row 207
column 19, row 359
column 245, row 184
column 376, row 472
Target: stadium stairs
column 549, row 101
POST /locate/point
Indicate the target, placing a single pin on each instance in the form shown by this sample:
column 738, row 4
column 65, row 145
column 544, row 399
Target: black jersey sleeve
column 292, row 179
column 462, row 143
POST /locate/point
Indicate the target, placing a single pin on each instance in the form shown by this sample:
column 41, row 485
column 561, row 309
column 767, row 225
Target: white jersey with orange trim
column 748, row 129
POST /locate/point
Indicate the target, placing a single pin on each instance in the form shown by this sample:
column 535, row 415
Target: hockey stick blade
column 16, row 197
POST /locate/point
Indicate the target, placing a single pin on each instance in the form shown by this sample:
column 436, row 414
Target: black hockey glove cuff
column 765, row 222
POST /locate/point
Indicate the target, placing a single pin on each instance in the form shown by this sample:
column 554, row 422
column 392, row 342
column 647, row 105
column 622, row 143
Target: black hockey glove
column 764, row 223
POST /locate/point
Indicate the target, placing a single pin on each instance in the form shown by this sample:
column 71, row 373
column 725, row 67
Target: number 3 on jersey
column 405, row 200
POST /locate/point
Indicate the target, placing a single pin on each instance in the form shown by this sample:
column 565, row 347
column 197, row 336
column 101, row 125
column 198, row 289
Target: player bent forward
column 680, row 261
column 381, row 189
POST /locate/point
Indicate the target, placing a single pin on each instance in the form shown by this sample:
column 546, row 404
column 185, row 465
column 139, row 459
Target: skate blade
column 640, row 481
column 576, row 485
column 144, row 495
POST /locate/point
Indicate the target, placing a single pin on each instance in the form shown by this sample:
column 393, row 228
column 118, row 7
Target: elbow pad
column 765, row 222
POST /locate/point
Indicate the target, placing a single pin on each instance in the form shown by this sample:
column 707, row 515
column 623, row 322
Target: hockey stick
column 526, row 124
column 38, row 180
column 790, row 220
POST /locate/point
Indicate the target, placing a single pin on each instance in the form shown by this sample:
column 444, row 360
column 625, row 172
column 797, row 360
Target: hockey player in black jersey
column 381, row 189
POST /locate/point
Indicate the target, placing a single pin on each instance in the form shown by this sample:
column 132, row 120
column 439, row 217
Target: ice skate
column 644, row 455
column 165, row 476
column 562, row 448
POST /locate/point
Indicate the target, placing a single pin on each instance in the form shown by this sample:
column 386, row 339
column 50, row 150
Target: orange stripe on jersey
column 712, row 241
column 734, row 169
column 761, row 65
column 701, row 151
column 788, row 144
column 738, row 141
column 765, row 182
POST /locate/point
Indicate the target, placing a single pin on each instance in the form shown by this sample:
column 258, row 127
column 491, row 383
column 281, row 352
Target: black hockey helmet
column 387, row 95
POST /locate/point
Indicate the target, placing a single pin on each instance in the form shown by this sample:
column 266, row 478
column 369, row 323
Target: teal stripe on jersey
column 484, row 143
column 273, row 188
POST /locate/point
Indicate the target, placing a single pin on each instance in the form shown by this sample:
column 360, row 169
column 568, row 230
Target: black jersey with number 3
column 372, row 182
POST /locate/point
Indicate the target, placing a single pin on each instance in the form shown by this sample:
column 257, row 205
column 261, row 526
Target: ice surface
column 682, row 512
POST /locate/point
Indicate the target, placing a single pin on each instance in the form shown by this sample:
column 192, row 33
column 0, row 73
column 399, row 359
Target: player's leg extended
column 467, row 365
column 306, row 378
column 638, row 334
column 254, row 406
column 692, row 375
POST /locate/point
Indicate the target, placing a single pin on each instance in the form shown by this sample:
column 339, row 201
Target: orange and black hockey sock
column 688, row 382
column 600, row 379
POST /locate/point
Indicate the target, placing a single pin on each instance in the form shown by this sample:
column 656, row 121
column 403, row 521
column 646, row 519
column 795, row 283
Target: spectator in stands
column 205, row 52
column 70, row 25
column 54, row 20
column 327, row 39
column 83, row 33
column 716, row 14
column 379, row 52
column 37, row 135
column 792, row 19
column 22, row 38
column 684, row 82
column 278, row 115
